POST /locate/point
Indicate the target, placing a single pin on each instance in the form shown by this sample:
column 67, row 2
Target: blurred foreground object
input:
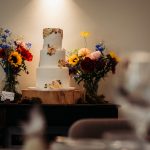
column 101, row 128
column 132, row 91
column 34, row 131
column 63, row 143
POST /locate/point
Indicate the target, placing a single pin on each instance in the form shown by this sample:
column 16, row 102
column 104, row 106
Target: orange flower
column 83, row 52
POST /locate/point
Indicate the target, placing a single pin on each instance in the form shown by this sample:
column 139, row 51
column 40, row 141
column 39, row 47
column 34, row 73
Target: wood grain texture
column 54, row 97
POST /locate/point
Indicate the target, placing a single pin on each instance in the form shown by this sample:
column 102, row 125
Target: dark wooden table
column 58, row 117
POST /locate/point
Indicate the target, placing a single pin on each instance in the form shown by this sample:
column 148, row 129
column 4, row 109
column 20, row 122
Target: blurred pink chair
column 100, row 128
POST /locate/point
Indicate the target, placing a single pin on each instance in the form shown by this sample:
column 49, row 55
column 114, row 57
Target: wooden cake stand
column 54, row 96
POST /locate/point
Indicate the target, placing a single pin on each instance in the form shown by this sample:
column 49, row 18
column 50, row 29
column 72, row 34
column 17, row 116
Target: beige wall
column 122, row 24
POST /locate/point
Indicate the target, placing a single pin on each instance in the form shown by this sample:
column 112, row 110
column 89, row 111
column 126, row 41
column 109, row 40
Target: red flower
column 2, row 53
column 25, row 53
column 113, row 66
column 88, row 65
column 20, row 48
column 100, row 64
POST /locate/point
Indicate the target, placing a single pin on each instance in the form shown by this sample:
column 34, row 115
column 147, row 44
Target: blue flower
column 4, row 36
column 28, row 45
column 100, row 47
column 5, row 46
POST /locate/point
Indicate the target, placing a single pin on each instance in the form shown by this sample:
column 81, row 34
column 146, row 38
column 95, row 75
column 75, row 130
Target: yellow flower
column 113, row 55
column 83, row 52
column 73, row 59
column 15, row 59
column 85, row 34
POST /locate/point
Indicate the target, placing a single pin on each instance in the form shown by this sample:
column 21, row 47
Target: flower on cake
column 51, row 50
column 61, row 63
column 13, row 54
column 90, row 67
column 55, row 84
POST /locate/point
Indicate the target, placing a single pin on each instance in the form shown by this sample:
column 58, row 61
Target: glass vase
column 91, row 93
column 10, row 84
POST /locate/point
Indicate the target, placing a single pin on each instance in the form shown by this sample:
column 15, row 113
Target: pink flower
column 95, row 55
column 83, row 52
column 21, row 43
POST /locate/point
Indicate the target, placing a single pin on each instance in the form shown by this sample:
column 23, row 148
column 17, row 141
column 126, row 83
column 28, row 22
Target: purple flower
column 72, row 70
column 100, row 64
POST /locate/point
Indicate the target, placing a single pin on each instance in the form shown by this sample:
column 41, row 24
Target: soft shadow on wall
column 122, row 24
column 11, row 10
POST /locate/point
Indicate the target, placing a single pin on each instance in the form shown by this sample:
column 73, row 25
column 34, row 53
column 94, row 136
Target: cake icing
column 52, row 38
column 51, row 72
column 46, row 75
column 51, row 61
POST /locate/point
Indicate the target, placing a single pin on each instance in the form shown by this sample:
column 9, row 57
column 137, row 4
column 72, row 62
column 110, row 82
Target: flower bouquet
column 13, row 54
column 90, row 67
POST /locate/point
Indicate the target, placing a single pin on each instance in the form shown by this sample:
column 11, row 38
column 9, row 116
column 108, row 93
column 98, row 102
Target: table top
column 65, row 143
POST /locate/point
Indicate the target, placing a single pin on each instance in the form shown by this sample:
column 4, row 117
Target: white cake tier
column 52, row 37
column 45, row 75
column 51, row 61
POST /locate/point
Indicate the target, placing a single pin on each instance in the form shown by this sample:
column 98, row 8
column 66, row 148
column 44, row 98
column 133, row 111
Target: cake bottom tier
column 47, row 75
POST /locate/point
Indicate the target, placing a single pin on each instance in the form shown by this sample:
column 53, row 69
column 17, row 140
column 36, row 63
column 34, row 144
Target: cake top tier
column 48, row 31
column 52, row 38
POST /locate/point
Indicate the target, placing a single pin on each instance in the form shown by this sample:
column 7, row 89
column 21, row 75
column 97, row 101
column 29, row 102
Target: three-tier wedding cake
column 52, row 73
